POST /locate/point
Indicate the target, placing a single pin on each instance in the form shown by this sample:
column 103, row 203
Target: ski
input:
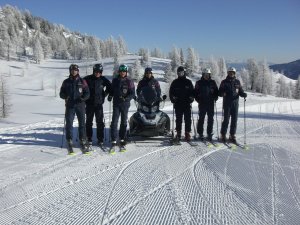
column 236, row 144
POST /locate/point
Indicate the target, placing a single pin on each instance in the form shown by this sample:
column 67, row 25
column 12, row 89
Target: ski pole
column 193, row 122
column 109, row 121
column 173, row 122
column 245, row 121
column 217, row 120
column 62, row 137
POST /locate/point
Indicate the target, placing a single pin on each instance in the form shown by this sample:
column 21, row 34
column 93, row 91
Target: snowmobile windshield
column 148, row 96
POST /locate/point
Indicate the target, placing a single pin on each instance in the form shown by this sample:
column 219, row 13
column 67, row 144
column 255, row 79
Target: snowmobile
column 149, row 121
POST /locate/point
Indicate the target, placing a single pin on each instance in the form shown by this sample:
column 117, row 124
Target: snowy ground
column 151, row 183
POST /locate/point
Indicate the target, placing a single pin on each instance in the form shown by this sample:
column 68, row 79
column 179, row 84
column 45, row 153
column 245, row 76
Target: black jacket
column 123, row 90
column 152, row 82
column 74, row 90
column 99, row 88
column 230, row 89
column 181, row 92
column 206, row 91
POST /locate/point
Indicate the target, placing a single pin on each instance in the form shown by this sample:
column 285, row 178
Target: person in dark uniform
column 122, row 92
column 149, row 80
column 182, row 95
column 75, row 92
column 230, row 89
column 206, row 94
column 99, row 87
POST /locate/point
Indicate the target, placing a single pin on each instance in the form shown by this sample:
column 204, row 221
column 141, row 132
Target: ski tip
column 86, row 153
column 71, row 153
column 123, row 150
column 112, row 153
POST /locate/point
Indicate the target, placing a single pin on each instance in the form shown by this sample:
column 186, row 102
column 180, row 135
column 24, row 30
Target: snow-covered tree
column 136, row 71
column 169, row 75
column 252, row 68
column 222, row 68
column 245, row 78
column 122, row 45
column 145, row 57
column 182, row 61
column 175, row 58
column 264, row 85
column 5, row 105
column 192, row 62
column 38, row 51
column 157, row 53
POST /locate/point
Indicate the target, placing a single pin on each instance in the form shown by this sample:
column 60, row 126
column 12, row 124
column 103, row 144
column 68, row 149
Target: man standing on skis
column 75, row 92
column 206, row 94
column 99, row 87
column 230, row 89
column 122, row 92
column 182, row 95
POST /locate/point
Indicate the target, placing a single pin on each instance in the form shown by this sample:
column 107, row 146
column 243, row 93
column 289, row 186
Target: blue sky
column 233, row 29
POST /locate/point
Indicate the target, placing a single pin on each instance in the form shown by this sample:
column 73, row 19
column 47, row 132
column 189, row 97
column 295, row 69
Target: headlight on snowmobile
column 145, row 109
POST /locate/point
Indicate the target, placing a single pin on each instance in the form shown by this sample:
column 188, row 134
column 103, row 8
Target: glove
column 191, row 99
column 122, row 99
column 244, row 95
column 109, row 98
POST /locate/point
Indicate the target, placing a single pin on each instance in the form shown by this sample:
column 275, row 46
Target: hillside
column 291, row 69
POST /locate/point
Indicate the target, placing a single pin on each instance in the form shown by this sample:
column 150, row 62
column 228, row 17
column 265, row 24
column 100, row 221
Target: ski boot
column 223, row 138
column 112, row 150
column 187, row 136
column 201, row 137
column 209, row 137
column 122, row 146
column 70, row 147
column 232, row 138
column 90, row 142
column 84, row 148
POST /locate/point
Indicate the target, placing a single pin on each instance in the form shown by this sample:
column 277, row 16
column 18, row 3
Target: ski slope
column 153, row 182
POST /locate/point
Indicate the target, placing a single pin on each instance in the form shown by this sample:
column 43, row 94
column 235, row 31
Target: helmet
column 123, row 68
column 73, row 67
column 98, row 68
column 180, row 69
column 148, row 70
column 231, row 69
column 206, row 70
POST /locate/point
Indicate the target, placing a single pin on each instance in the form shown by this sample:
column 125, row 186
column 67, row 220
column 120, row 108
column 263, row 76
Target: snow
column 151, row 183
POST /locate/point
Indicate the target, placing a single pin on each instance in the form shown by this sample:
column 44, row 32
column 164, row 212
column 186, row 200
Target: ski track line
column 112, row 217
column 120, row 174
column 78, row 157
column 286, row 179
column 82, row 179
column 251, row 206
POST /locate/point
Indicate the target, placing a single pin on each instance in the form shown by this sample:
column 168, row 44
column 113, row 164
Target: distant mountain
column 291, row 70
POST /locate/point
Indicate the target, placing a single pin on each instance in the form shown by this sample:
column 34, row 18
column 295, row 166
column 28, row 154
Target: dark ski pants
column 79, row 110
column 230, row 110
column 203, row 110
column 120, row 109
column 180, row 112
column 96, row 111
